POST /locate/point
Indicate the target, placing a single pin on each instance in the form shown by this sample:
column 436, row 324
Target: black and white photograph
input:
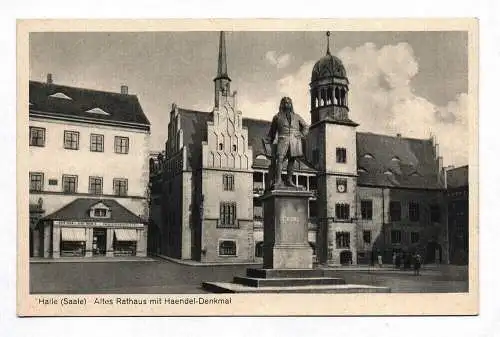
column 216, row 162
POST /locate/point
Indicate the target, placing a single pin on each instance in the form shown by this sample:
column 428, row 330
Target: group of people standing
column 402, row 260
column 406, row 261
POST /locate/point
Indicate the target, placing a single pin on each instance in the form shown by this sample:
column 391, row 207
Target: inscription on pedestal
column 285, row 230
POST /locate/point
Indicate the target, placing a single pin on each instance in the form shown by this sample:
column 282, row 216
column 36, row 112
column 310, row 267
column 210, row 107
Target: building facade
column 89, row 172
column 457, row 183
column 208, row 181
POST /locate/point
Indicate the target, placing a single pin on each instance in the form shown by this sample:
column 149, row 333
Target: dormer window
column 388, row 172
column 100, row 212
column 362, row 170
column 98, row 111
column 368, row 155
column 396, row 159
column 61, row 95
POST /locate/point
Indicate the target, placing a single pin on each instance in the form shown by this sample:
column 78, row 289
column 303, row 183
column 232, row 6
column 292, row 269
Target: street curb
column 205, row 264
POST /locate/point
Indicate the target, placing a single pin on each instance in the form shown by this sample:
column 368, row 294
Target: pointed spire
column 328, row 43
column 222, row 62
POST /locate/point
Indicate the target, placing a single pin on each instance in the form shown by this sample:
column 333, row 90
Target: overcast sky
column 412, row 83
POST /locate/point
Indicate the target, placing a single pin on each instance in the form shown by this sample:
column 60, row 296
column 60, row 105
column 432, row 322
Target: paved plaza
column 150, row 276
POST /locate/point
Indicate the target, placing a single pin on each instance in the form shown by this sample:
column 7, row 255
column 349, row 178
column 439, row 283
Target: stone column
column 286, row 244
column 89, row 235
column 37, row 234
column 141, row 244
column 109, row 242
column 46, row 241
column 56, row 242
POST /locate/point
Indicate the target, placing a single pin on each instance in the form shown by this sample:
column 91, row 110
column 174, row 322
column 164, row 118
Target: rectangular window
column 37, row 136
column 366, row 209
column 36, row 181
column 70, row 183
column 100, row 212
column 395, row 210
column 71, row 140
column 341, row 155
column 95, row 185
column 121, row 144
column 227, row 248
column 342, row 211
column 228, row 182
column 96, row 143
column 395, row 236
column 435, row 213
column 120, row 187
column 367, row 237
column 228, row 215
column 313, row 183
column 415, row 237
column 343, row 240
column 313, row 209
column 413, row 211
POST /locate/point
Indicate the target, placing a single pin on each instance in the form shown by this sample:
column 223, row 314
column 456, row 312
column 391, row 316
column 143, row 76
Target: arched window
column 259, row 249
column 221, row 146
column 235, row 148
column 342, row 97
column 330, row 95
column 337, row 96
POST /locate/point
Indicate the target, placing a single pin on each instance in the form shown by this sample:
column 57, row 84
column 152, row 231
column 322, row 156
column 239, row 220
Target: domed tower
column 331, row 148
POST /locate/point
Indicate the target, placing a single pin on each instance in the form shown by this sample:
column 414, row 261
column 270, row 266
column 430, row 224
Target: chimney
column 49, row 78
column 124, row 90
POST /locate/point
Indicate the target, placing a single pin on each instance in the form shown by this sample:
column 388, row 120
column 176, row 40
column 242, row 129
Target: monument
column 287, row 255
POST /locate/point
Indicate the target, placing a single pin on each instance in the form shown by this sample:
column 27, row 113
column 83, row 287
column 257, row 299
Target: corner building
column 88, row 172
column 373, row 194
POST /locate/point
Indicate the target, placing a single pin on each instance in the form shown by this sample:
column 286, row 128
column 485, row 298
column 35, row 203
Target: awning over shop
column 125, row 234
column 73, row 234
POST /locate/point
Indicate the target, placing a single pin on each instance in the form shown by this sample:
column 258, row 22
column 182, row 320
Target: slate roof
column 457, row 177
column 120, row 108
column 396, row 162
column 78, row 210
column 411, row 162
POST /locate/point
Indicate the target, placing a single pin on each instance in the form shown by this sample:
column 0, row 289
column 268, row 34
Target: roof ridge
column 392, row 137
column 81, row 88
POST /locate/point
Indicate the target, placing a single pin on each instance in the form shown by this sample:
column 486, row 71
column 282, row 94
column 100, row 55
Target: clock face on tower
column 341, row 185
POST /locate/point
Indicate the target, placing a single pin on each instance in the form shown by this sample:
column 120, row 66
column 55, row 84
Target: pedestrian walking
column 394, row 260
column 417, row 263
column 379, row 260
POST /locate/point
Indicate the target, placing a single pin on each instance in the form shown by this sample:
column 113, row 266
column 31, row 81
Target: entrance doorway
column 433, row 253
column 99, row 242
column 346, row 257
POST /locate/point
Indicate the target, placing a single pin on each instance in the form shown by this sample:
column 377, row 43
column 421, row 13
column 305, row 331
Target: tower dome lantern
column 329, row 89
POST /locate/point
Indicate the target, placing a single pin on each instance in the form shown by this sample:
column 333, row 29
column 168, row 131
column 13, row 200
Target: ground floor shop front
column 58, row 239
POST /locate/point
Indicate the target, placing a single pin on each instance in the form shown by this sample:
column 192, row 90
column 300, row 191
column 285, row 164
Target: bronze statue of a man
column 290, row 129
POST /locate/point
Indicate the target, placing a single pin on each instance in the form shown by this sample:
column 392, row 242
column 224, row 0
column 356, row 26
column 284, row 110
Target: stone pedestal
column 288, row 258
column 286, row 244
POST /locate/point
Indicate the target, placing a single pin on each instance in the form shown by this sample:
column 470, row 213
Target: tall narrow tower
column 331, row 147
column 222, row 80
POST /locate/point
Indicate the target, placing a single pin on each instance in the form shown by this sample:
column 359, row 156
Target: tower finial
column 328, row 42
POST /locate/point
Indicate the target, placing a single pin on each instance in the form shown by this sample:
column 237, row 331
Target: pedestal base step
column 223, row 287
column 289, row 273
column 286, row 281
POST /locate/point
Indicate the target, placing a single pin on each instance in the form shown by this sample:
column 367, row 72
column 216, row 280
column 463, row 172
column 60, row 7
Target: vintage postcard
column 247, row 167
